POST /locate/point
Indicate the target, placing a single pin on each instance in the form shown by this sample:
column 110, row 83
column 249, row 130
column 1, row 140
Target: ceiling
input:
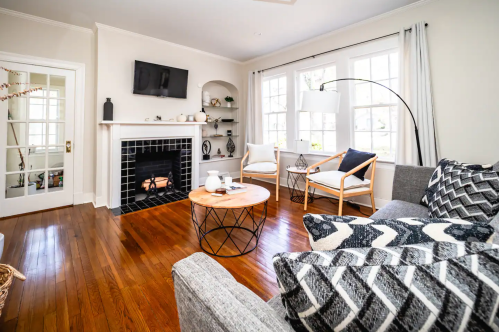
column 236, row 29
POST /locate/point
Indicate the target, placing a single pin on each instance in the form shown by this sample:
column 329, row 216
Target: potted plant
column 229, row 101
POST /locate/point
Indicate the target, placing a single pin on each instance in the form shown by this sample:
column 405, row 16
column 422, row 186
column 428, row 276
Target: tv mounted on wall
column 161, row 81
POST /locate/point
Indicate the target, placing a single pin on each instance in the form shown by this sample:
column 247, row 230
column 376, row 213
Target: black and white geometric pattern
column 439, row 171
column 328, row 232
column 438, row 286
column 466, row 194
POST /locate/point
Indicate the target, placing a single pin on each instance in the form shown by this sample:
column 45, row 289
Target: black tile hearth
column 149, row 203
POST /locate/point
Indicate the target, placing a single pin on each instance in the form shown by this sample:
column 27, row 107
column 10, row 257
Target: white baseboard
column 82, row 198
column 99, row 202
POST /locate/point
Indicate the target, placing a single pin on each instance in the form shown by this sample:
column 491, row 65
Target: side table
column 295, row 176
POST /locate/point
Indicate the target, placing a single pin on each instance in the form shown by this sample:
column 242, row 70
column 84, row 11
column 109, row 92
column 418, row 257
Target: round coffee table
column 295, row 193
column 240, row 206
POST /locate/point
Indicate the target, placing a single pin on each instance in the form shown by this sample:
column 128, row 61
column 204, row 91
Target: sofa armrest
column 210, row 299
column 410, row 182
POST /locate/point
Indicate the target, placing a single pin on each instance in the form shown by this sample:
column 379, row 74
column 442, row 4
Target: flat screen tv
column 161, row 81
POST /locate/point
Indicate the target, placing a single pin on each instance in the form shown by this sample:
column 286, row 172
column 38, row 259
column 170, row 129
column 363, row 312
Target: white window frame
column 328, row 87
column 393, row 126
column 264, row 114
column 45, row 129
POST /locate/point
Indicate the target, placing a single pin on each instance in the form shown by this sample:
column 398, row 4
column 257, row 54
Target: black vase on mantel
column 108, row 110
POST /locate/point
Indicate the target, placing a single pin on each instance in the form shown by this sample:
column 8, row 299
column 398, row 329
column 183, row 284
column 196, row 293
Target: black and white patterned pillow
column 466, row 194
column 328, row 232
column 438, row 286
column 439, row 171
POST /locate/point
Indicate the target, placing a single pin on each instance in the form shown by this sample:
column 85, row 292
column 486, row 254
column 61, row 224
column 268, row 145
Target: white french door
column 36, row 135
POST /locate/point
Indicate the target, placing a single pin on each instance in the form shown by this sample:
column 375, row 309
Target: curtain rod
column 336, row 49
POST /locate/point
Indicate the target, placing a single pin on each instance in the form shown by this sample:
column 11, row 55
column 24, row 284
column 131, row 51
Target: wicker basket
column 7, row 274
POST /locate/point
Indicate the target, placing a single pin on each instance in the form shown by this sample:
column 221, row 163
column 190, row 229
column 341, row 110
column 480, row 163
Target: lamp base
column 301, row 163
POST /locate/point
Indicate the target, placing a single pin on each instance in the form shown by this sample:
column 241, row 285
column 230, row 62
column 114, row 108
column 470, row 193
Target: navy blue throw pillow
column 354, row 158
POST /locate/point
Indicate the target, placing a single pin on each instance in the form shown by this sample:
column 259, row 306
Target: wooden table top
column 253, row 196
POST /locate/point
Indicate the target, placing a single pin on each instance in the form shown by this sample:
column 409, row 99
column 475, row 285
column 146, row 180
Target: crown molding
column 340, row 30
column 38, row 19
column 138, row 35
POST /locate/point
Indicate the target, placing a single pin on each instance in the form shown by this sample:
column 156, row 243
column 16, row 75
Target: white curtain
column 254, row 124
column 415, row 89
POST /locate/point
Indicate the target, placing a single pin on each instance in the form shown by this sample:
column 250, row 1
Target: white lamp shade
column 321, row 101
column 302, row 147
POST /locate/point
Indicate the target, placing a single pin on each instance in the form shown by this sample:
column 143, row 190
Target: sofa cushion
column 333, row 179
column 401, row 209
column 437, row 286
column 439, row 171
column 466, row 194
column 328, row 232
column 261, row 168
column 261, row 153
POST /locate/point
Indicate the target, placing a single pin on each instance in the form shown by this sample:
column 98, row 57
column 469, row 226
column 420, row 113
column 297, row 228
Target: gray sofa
column 210, row 299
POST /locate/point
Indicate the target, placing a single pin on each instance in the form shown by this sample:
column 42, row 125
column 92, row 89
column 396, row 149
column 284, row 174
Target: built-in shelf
column 220, row 122
column 220, row 136
column 214, row 160
column 157, row 123
column 221, row 108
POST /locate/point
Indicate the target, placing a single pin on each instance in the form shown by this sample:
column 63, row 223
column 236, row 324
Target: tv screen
column 162, row 81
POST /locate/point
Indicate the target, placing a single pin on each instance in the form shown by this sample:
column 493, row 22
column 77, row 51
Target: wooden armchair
column 343, row 192
column 263, row 175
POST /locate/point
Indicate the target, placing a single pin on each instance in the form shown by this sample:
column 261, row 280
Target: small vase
column 229, row 104
column 200, row 117
column 212, row 182
column 181, row 118
column 108, row 110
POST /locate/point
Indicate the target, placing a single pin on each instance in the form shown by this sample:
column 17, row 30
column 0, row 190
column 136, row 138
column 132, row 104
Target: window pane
column 36, row 180
column 362, row 69
column 37, row 108
column 57, row 87
column 394, row 65
column 362, row 119
column 274, row 104
column 265, row 122
column 37, row 132
column 22, row 78
column 381, row 118
column 363, row 94
column 282, row 86
column 17, row 108
column 274, row 87
column 37, row 159
column 329, row 121
column 305, row 81
column 16, row 134
column 394, row 146
column 266, row 137
column 56, row 109
column 330, row 75
column 266, row 89
column 272, row 136
column 281, row 121
column 381, row 144
column 273, row 122
column 316, row 121
column 316, row 140
column 304, row 118
column 282, row 104
column 363, row 141
column 56, row 133
column 394, row 118
column 381, row 95
column 14, row 185
column 379, row 66
column 38, row 80
column 56, row 157
column 14, row 160
column 394, row 85
column 266, row 105
column 330, row 141
column 281, row 139
column 305, row 135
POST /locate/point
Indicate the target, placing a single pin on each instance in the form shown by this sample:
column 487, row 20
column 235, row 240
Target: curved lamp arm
column 412, row 115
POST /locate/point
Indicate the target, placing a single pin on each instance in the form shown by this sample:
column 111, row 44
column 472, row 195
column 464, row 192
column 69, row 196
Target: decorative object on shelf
column 204, row 133
column 216, row 128
column 108, row 110
column 229, row 101
column 216, row 102
column 200, row 116
column 229, row 132
column 181, row 118
column 219, row 152
column 208, row 118
column 147, row 119
column 302, row 147
column 206, row 98
column 231, row 147
column 190, row 118
column 212, row 182
column 206, row 150
column 227, row 120
column 158, row 118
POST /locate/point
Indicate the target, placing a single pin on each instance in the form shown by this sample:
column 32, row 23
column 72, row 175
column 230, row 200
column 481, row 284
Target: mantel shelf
column 220, row 122
column 220, row 136
column 156, row 123
column 221, row 108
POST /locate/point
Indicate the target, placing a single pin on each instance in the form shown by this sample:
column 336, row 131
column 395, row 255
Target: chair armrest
column 352, row 171
column 244, row 158
column 339, row 155
column 410, row 182
column 278, row 159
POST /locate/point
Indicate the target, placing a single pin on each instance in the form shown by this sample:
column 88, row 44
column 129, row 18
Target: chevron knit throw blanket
column 328, row 232
column 438, row 286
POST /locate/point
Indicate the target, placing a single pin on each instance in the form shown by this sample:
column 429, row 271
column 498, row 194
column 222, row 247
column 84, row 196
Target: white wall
column 116, row 52
column 464, row 49
column 28, row 37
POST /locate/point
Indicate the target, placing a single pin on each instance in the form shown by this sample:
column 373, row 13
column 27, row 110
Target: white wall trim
column 78, row 143
column 157, row 40
column 44, row 20
column 341, row 30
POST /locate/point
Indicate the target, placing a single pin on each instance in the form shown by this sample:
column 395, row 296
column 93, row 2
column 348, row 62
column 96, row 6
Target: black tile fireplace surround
column 140, row 159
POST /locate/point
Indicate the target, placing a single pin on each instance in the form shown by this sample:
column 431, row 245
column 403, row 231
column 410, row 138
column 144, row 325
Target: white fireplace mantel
column 126, row 131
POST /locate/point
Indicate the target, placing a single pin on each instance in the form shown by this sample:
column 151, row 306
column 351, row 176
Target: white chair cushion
column 261, row 153
column 333, row 179
column 261, row 168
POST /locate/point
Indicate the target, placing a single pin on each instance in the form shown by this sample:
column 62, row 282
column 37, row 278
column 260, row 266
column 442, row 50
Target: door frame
column 79, row 116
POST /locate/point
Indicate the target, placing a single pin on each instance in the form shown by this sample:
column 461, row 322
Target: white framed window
column 37, row 112
column 274, row 108
column 375, row 108
column 318, row 128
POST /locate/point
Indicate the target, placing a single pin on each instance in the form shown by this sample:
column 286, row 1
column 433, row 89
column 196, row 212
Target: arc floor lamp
column 329, row 102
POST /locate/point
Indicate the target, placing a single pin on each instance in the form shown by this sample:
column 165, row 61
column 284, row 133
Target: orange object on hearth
column 161, row 182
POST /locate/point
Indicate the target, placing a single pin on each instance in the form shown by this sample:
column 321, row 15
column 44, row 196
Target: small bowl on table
column 220, row 191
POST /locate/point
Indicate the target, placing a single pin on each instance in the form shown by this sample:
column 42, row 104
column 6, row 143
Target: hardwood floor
column 88, row 270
